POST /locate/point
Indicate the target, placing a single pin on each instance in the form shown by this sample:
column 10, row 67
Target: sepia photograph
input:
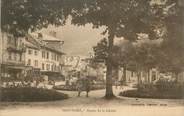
column 92, row 57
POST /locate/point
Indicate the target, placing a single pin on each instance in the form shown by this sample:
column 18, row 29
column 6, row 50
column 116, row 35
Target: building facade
column 12, row 57
column 30, row 57
column 44, row 56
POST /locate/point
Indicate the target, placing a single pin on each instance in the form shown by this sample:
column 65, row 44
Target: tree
column 147, row 56
column 124, row 18
column 100, row 51
column 18, row 17
column 121, row 57
column 124, row 56
column 173, row 43
column 120, row 19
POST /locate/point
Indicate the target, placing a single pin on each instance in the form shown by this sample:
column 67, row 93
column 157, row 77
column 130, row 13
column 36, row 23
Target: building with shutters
column 12, row 57
column 44, row 55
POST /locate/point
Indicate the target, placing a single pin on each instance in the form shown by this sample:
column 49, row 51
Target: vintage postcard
column 92, row 57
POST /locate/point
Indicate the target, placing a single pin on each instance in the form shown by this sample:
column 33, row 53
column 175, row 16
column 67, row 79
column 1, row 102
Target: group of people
column 83, row 84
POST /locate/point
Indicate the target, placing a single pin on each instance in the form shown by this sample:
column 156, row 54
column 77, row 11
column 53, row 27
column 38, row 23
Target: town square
column 102, row 57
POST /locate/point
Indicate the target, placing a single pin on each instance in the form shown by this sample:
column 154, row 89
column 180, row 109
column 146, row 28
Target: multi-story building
column 71, row 66
column 31, row 56
column 94, row 70
column 12, row 57
column 44, row 55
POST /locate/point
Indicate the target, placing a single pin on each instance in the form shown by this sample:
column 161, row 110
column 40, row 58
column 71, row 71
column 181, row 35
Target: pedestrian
column 87, row 85
column 79, row 86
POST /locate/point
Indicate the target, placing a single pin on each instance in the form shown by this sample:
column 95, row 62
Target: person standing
column 79, row 86
column 87, row 85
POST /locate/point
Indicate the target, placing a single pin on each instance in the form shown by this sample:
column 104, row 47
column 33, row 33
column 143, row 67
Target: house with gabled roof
column 44, row 55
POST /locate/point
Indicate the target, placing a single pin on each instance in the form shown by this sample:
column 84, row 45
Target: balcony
column 16, row 48
column 12, row 62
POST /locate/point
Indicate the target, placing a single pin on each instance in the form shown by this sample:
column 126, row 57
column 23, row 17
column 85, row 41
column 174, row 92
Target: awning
column 51, row 73
column 27, row 68
column 16, row 67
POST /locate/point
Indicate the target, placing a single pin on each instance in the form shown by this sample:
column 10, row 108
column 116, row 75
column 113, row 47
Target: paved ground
column 95, row 104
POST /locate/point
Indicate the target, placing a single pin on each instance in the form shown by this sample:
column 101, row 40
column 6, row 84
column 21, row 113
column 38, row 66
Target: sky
column 78, row 40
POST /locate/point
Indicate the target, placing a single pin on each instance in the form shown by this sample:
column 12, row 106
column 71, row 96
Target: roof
column 47, row 42
column 54, row 47
column 46, row 37
column 31, row 42
column 31, row 45
column 50, row 38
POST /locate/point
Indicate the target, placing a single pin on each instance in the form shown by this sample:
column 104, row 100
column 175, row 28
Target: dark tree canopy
column 20, row 16
column 122, row 17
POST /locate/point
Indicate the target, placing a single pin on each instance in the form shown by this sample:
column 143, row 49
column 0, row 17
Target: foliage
column 70, row 88
column 166, row 90
column 101, row 51
column 20, row 16
column 122, row 18
column 147, row 55
column 138, row 94
column 29, row 94
column 172, row 46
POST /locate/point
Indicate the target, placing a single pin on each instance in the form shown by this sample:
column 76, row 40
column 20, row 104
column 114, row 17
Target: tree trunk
column 139, row 77
column 148, row 76
column 109, row 92
column 177, row 76
column 124, row 74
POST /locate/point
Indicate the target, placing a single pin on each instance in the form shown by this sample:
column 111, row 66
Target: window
column 29, row 62
column 58, row 68
column 55, row 67
column 29, row 51
column 36, row 52
column 47, row 55
column 57, row 58
column 20, row 57
column 48, row 66
column 10, row 56
column 43, row 66
column 52, row 68
column 9, row 40
column 36, row 63
column 55, row 55
column 132, row 74
column 15, row 56
column 52, row 57
column 43, row 54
